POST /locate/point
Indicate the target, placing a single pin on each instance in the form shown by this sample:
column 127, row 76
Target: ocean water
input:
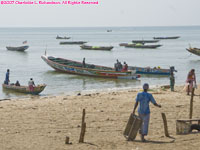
column 28, row 64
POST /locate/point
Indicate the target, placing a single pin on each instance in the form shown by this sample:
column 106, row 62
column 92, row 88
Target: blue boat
column 150, row 71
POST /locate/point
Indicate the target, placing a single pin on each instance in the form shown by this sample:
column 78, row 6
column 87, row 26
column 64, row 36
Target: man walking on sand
column 143, row 100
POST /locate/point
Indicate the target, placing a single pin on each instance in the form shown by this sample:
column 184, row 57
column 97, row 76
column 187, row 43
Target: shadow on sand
column 157, row 142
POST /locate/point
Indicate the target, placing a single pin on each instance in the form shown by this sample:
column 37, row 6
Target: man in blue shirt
column 143, row 100
column 7, row 77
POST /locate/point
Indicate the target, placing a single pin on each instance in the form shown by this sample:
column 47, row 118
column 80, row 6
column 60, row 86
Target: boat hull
column 195, row 51
column 72, row 42
column 61, row 38
column 104, row 72
column 150, row 71
column 20, row 48
column 142, row 46
column 96, row 47
column 166, row 38
column 24, row 89
column 145, row 41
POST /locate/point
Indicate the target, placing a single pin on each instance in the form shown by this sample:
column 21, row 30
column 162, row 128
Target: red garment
column 125, row 68
column 31, row 88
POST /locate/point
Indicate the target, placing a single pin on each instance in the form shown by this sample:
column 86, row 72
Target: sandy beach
column 42, row 123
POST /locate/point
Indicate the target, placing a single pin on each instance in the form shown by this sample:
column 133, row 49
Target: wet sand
column 42, row 123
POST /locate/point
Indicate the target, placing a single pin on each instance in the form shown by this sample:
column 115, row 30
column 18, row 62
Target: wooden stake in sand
column 191, row 104
column 67, row 140
column 165, row 125
column 83, row 127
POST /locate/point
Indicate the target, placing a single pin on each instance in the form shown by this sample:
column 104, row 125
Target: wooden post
column 191, row 104
column 67, row 140
column 83, row 128
column 165, row 125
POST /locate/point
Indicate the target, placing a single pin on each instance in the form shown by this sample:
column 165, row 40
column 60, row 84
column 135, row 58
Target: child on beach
column 143, row 100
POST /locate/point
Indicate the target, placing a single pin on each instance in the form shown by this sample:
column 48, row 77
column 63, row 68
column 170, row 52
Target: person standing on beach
column 191, row 81
column 143, row 100
column 7, row 80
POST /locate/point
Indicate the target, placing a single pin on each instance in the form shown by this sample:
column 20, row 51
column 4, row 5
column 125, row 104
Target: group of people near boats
column 144, row 98
column 31, row 83
column 119, row 67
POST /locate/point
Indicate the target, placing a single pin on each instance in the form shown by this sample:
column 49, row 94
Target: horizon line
column 95, row 26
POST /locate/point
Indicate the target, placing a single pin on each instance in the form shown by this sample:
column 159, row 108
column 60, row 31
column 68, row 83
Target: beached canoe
column 145, row 41
column 194, row 50
column 24, row 89
column 20, row 48
column 73, row 67
column 142, row 46
column 106, row 48
column 73, row 42
column 59, row 37
column 150, row 71
column 166, row 38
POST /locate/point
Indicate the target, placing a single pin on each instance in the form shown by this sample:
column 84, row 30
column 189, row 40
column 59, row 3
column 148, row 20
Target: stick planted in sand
column 165, row 125
column 67, row 140
column 191, row 104
column 83, row 127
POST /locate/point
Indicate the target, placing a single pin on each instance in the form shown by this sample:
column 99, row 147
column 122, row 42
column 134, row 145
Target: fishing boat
column 73, row 42
column 20, row 48
column 59, row 37
column 165, row 38
column 194, row 50
column 140, row 45
column 125, row 44
column 74, row 67
column 150, row 71
column 145, row 41
column 106, row 48
column 109, row 30
column 24, row 89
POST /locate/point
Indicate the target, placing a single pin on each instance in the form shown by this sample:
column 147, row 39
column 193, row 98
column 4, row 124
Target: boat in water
column 150, row 71
column 73, row 42
column 74, row 67
column 19, row 48
column 145, row 41
column 140, row 45
column 59, row 37
column 194, row 50
column 166, row 38
column 124, row 44
column 106, row 48
column 24, row 89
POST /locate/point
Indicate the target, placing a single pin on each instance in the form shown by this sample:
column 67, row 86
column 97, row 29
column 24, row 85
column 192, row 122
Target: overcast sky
column 106, row 13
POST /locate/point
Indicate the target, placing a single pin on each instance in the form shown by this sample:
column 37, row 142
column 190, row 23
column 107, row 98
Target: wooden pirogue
column 167, row 37
column 73, row 67
column 24, row 89
column 19, row 48
column 150, row 71
column 194, row 50
column 106, row 48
